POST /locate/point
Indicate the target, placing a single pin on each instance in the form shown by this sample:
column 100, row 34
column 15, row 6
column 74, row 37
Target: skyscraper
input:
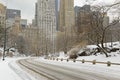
column 46, row 22
column 66, row 15
column 57, row 8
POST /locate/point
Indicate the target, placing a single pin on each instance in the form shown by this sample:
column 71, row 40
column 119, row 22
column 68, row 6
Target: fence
column 83, row 61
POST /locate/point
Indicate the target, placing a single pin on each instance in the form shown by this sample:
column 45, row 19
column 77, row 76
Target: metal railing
column 84, row 61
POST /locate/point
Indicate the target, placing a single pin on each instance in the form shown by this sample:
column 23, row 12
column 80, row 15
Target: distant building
column 113, row 33
column 57, row 12
column 77, row 10
column 66, row 15
column 87, row 21
column 46, row 23
column 36, row 15
column 12, row 13
column 83, row 18
column 85, row 8
column 2, row 15
column 106, row 20
column 34, row 23
column 23, row 23
column 13, row 17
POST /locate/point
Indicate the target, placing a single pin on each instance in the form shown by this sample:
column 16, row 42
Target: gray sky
column 27, row 7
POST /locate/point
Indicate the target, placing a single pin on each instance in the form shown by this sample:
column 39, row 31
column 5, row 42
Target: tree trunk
column 103, row 50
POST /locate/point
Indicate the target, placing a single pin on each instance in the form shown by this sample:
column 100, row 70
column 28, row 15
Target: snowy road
column 55, row 72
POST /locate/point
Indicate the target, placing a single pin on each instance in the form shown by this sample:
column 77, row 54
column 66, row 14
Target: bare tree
column 97, row 24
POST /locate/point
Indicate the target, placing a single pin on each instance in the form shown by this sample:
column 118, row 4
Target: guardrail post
column 108, row 63
column 94, row 62
column 67, row 60
column 74, row 60
column 57, row 59
column 61, row 59
column 83, row 61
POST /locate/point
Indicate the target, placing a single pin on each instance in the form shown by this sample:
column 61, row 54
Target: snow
column 9, row 70
column 6, row 73
column 115, row 58
column 62, row 55
column 102, row 69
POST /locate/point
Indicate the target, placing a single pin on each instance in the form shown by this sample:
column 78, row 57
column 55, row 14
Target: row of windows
column 2, row 18
column 1, row 22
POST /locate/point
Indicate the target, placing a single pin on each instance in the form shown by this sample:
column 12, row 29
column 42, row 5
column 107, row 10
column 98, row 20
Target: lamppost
column 4, row 48
column 5, row 32
column 5, row 40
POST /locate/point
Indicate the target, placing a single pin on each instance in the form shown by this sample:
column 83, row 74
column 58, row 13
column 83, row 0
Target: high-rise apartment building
column 12, row 13
column 66, row 15
column 46, row 23
column 11, row 16
column 36, row 16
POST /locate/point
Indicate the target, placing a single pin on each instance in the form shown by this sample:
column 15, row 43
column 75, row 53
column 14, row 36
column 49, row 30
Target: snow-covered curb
column 18, row 71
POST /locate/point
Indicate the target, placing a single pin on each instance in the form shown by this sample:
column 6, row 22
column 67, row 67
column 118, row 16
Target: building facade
column 2, row 15
column 13, row 17
column 46, row 23
column 66, row 15
column 12, row 13
column 83, row 19
column 23, row 23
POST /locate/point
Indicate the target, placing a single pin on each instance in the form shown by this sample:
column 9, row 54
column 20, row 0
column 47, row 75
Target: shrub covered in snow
column 73, row 56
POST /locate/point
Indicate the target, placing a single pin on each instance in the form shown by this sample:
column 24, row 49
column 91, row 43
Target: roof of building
column 2, row 7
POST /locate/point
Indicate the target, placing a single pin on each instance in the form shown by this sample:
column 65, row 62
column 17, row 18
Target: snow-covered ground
column 9, row 70
column 114, row 70
column 114, row 56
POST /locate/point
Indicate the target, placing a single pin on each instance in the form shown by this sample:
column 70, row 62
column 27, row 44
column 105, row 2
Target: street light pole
column 5, row 32
column 4, row 42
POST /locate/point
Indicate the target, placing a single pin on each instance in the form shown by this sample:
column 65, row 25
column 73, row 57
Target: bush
column 73, row 56
column 83, row 54
column 114, row 49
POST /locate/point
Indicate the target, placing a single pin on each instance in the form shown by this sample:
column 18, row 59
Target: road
column 54, row 72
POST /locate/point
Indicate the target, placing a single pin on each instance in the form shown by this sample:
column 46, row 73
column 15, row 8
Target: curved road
column 54, row 72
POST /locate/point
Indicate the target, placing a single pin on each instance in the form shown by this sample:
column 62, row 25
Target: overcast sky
column 27, row 7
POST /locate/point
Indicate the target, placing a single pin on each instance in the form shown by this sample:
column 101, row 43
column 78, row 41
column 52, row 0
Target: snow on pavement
column 6, row 73
column 101, row 69
column 9, row 70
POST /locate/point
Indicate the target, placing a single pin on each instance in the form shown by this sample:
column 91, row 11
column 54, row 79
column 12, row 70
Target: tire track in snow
column 19, row 72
